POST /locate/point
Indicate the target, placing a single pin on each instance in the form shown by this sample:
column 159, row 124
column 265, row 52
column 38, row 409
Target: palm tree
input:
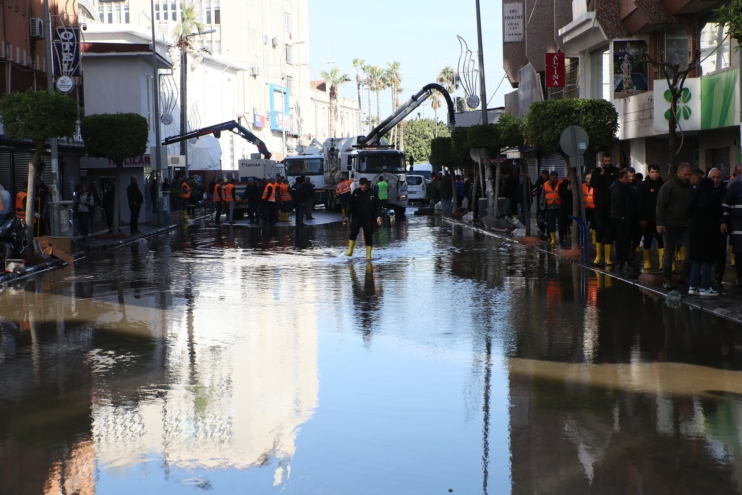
column 367, row 81
column 358, row 65
column 189, row 22
column 378, row 83
column 334, row 79
column 448, row 79
column 400, row 133
column 436, row 104
column 392, row 75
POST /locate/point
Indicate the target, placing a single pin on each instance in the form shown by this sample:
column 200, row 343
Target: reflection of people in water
column 365, row 299
column 626, row 69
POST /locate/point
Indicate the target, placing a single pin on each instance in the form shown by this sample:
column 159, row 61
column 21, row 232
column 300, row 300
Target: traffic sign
column 574, row 142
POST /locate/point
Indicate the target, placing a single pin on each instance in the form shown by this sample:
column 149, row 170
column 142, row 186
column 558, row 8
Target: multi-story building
column 604, row 43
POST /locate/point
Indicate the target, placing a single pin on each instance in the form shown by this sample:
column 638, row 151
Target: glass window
column 288, row 54
column 173, row 12
column 676, row 47
column 118, row 13
column 164, row 9
column 308, row 166
column 180, row 8
column 217, row 13
column 715, row 48
column 101, row 14
column 109, row 12
column 157, row 11
column 208, row 12
column 287, row 21
column 126, row 13
column 290, row 84
column 414, row 180
column 607, row 79
column 376, row 162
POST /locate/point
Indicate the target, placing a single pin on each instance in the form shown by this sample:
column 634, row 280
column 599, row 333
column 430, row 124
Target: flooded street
column 241, row 361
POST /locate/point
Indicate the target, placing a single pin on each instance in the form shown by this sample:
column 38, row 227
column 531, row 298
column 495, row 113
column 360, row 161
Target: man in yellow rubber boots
column 646, row 203
column 364, row 209
column 601, row 181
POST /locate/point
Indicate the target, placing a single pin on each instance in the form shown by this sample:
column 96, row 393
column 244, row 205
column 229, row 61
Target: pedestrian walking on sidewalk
column 83, row 204
column 673, row 222
column 646, row 204
column 601, row 181
column 705, row 237
column 364, row 211
column 135, row 198
column 446, row 193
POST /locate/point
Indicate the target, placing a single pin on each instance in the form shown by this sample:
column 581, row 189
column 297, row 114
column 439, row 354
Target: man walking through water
column 364, row 209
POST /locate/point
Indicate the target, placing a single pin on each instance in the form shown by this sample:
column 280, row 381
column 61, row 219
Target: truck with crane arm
column 371, row 157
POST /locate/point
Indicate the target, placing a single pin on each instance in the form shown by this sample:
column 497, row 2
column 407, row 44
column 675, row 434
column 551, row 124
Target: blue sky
column 412, row 32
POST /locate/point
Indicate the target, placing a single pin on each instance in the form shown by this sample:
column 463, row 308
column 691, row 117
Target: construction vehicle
column 309, row 162
column 371, row 157
column 232, row 125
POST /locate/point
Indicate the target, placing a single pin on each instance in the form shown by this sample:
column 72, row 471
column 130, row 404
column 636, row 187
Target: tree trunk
column 672, row 140
column 360, row 103
column 332, row 118
column 369, row 110
column 34, row 168
column 117, row 197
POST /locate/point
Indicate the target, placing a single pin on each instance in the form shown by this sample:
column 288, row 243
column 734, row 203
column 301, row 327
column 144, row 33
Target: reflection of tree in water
column 366, row 299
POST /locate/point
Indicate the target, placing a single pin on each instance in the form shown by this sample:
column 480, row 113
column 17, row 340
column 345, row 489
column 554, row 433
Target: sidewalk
column 727, row 305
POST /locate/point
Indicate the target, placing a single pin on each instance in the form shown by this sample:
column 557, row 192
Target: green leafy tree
column 116, row 137
column 418, row 136
column 547, row 120
column 37, row 116
column 441, row 152
column 448, row 78
column 510, row 129
column 190, row 22
column 334, row 79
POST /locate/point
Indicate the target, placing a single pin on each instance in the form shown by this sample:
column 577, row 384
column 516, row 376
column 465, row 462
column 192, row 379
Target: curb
column 690, row 301
column 112, row 244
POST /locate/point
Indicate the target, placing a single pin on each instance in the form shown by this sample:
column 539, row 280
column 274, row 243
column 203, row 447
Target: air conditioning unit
column 255, row 71
column 274, row 41
column 36, row 29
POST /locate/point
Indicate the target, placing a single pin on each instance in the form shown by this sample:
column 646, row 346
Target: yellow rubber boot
column 732, row 258
column 599, row 254
column 595, row 236
column 343, row 210
column 681, row 254
column 368, row 252
column 607, row 254
column 184, row 215
column 351, row 247
column 647, row 260
column 553, row 238
column 661, row 254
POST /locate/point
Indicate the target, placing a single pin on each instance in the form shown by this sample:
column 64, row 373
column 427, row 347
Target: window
column 157, row 11
column 607, row 79
column 715, row 48
column 288, row 54
column 173, row 12
column 676, row 47
column 101, row 14
column 217, row 13
column 287, row 21
column 290, row 84
column 109, row 11
column 180, row 8
column 126, row 13
column 208, row 12
column 118, row 13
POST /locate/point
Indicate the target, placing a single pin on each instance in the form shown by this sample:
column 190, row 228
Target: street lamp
column 283, row 83
column 183, row 45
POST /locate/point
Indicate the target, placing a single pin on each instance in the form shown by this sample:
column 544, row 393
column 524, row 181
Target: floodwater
column 262, row 361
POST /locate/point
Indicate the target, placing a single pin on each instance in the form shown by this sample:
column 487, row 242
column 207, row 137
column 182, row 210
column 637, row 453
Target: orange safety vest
column 20, row 207
column 185, row 190
column 285, row 194
column 343, row 187
column 589, row 194
column 552, row 195
column 218, row 193
column 270, row 196
column 230, row 193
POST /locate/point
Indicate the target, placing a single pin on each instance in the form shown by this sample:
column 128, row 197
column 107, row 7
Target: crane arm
column 404, row 110
column 216, row 130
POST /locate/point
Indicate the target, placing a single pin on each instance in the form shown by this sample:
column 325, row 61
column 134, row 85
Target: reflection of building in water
column 242, row 378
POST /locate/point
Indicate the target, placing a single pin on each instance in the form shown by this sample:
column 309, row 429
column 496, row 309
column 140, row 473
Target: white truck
column 371, row 157
column 309, row 162
column 256, row 169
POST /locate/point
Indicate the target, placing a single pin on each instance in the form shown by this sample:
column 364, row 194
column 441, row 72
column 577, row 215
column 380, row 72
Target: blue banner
column 66, row 46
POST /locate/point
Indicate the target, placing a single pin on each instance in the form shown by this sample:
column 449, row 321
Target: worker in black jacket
column 601, row 181
column 622, row 211
column 364, row 210
column 646, row 202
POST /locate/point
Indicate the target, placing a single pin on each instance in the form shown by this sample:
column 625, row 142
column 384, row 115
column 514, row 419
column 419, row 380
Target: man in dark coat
column 309, row 190
column 719, row 192
column 622, row 211
column 135, row 199
column 646, row 206
column 565, row 208
column 108, row 200
column 364, row 210
column 252, row 196
column 601, row 181
column 299, row 197
column 732, row 225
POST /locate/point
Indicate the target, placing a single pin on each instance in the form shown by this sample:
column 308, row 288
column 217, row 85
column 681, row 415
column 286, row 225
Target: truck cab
column 312, row 166
column 373, row 164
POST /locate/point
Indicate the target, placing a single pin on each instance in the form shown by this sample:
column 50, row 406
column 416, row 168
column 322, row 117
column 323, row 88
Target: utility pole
column 158, row 137
column 491, row 207
column 56, row 227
